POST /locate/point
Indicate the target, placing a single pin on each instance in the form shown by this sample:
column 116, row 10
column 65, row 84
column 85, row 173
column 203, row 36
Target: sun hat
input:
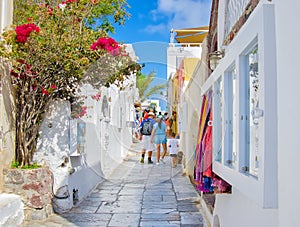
column 151, row 114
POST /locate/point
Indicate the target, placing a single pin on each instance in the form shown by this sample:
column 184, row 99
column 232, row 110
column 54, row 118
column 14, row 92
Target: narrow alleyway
column 137, row 195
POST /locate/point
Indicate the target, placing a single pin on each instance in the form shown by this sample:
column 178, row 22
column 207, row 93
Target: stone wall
column 34, row 186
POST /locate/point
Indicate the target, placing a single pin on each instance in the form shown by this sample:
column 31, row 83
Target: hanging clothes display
column 197, row 153
column 204, row 178
column 203, row 152
column 207, row 148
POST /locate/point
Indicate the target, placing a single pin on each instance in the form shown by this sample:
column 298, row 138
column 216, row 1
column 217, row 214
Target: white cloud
column 182, row 13
column 159, row 28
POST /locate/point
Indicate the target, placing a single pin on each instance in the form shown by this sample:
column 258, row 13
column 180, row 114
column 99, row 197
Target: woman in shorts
column 159, row 137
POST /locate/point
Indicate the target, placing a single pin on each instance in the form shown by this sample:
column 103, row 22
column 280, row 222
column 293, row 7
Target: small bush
column 17, row 165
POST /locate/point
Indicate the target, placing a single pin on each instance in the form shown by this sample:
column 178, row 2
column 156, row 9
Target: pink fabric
column 204, row 138
column 207, row 163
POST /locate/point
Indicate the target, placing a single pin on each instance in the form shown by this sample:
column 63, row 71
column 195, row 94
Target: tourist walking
column 159, row 138
column 145, row 135
column 173, row 145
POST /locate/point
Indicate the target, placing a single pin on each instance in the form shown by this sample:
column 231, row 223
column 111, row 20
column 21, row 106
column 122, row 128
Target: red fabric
column 168, row 122
column 145, row 115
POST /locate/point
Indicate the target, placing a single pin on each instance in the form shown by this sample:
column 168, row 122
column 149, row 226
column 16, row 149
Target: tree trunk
column 29, row 108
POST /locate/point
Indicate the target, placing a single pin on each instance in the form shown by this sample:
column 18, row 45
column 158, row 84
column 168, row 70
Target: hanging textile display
column 207, row 148
column 197, row 153
column 205, row 179
column 203, row 152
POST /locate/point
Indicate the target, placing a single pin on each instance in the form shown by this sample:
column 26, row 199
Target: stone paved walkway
column 137, row 195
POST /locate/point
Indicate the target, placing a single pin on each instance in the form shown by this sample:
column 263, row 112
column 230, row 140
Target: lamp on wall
column 214, row 58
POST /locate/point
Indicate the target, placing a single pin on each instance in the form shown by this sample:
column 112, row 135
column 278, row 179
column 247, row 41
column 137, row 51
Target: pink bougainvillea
column 22, row 72
column 70, row 1
column 49, row 90
column 44, row 91
column 53, row 86
column 83, row 111
column 13, row 73
column 78, row 110
column 23, row 31
column 64, row 3
column 49, row 10
column 96, row 97
column 108, row 44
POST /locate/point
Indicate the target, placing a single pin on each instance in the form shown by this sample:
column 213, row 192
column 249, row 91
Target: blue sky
column 148, row 28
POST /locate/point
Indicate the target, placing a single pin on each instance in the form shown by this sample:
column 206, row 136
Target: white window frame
column 247, row 164
column 218, row 106
column 230, row 115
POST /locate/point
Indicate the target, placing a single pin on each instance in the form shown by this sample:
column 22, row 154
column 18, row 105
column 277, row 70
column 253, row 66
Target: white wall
column 7, row 134
column 236, row 210
column 107, row 141
column 6, row 14
column 53, row 149
column 116, row 134
column 7, row 125
column 175, row 54
column 170, row 94
column 192, row 95
column 108, row 137
column 288, row 80
column 54, row 146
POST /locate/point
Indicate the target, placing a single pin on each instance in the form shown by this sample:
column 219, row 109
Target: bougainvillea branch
column 55, row 47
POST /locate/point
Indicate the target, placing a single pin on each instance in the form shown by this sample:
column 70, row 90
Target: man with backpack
column 145, row 135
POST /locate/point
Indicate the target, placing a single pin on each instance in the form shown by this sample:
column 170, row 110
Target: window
column 217, row 120
column 230, row 112
column 249, row 110
column 253, row 111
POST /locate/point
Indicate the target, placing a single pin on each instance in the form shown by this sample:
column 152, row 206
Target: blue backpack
column 147, row 127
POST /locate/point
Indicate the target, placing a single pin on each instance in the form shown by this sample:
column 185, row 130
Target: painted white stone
column 53, row 150
column 11, row 210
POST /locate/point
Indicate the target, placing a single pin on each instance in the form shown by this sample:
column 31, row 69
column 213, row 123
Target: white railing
column 185, row 44
column 233, row 11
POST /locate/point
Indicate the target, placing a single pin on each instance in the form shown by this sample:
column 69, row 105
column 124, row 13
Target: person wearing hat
column 146, row 128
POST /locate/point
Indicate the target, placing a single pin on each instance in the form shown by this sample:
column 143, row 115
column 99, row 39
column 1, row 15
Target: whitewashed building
column 190, row 106
column 185, row 77
column 255, row 111
column 178, row 50
column 83, row 152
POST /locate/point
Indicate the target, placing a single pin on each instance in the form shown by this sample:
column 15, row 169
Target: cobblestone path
column 136, row 195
